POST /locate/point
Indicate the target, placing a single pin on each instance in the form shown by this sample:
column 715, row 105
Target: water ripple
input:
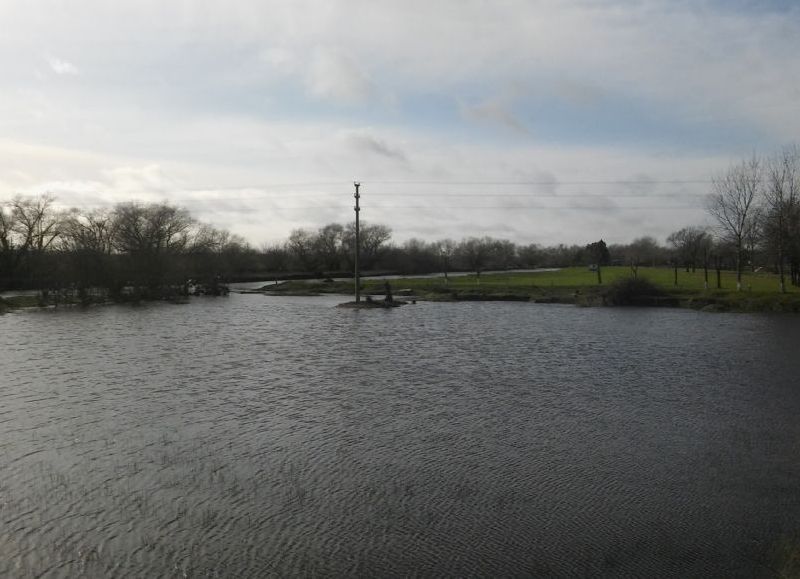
column 255, row 437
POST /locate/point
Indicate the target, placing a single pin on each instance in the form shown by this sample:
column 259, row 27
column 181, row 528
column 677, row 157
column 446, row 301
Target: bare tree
column 10, row 252
column 152, row 237
column 447, row 250
column 504, row 253
column 690, row 245
column 153, row 228
column 7, row 229
column 734, row 204
column 783, row 204
column 475, row 253
column 36, row 221
column 274, row 257
column 92, row 231
column 328, row 246
column 88, row 242
column 373, row 238
column 300, row 246
column 36, row 225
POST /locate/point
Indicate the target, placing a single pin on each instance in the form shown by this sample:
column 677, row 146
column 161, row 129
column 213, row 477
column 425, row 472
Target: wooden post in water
column 358, row 244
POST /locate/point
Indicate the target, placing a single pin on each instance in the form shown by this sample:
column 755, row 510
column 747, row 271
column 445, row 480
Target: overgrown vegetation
column 634, row 291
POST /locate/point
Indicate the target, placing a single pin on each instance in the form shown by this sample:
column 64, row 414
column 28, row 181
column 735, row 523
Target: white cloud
column 183, row 102
column 137, row 181
column 338, row 77
column 62, row 67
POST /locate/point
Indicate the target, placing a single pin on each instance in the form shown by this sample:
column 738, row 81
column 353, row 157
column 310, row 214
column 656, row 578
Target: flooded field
column 255, row 436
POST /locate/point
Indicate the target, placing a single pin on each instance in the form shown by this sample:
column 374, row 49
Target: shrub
column 632, row 291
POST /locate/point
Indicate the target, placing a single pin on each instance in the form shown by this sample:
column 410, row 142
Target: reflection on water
column 277, row 436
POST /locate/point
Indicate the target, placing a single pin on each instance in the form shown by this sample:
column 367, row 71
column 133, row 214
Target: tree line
column 147, row 250
column 756, row 205
column 150, row 250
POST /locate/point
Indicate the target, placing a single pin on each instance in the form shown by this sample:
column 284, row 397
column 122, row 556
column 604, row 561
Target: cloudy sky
column 537, row 121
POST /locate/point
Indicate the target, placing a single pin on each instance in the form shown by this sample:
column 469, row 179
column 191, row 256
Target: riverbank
column 575, row 286
column 17, row 302
column 579, row 286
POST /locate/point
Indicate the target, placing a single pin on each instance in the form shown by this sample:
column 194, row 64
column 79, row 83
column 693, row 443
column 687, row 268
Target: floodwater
column 255, row 436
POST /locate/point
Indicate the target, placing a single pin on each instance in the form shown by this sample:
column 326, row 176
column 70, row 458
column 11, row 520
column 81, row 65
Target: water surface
column 255, row 436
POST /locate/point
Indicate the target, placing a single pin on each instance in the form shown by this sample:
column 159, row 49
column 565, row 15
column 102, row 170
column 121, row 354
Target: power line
column 466, row 182
column 547, row 183
column 493, row 207
column 547, row 195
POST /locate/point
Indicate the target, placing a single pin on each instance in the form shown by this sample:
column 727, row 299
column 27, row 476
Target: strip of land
column 620, row 286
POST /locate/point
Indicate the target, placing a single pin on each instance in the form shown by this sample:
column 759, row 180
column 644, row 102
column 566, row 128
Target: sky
column 545, row 122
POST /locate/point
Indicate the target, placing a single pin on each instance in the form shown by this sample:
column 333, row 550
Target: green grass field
column 578, row 285
column 581, row 277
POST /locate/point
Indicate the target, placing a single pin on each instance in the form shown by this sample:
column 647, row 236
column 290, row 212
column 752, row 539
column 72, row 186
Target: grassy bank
column 579, row 286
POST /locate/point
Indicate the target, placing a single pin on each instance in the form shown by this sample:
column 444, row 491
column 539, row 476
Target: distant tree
column 734, row 205
column 530, row 255
column 446, row 248
column 373, row 240
column 475, row 253
column 36, row 221
column 599, row 256
column 418, row 256
column 644, row 250
column 598, row 253
column 11, row 249
column 151, row 228
column 93, row 231
column 151, row 237
column 690, row 244
column 328, row 246
column 274, row 258
column 215, row 253
column 504, row 254
column 37, row 226
column 88, row 241
column 782, row 218
column 300, row 247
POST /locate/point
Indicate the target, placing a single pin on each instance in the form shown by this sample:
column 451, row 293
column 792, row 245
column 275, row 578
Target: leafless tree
column 153, row 228
column 782, row 196
column 300, row 246
column 90, row 231
column 690, row 245
column 373, row 238
column 446, row 248
column 643, row 250
column 36, row 221
column 475, row 253
column 328, row 246
column 274, row 257
column 734, row 203
column 151, row 237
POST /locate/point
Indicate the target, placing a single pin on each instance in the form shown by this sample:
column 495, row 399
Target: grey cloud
column 640, row 184
column 213, row 206
column 496, row 112
column 368, row 143
column 578, row 93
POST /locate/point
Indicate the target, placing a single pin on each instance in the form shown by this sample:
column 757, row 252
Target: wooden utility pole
column 358, row 244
